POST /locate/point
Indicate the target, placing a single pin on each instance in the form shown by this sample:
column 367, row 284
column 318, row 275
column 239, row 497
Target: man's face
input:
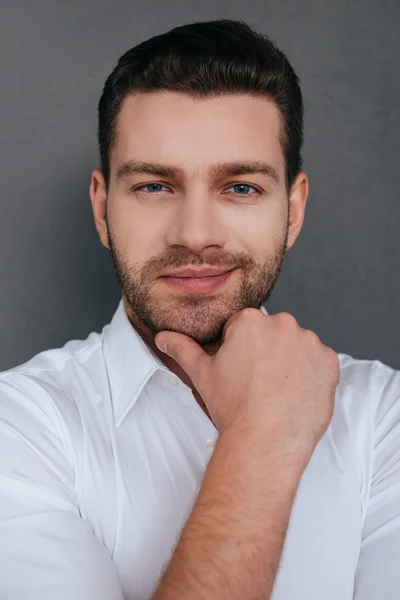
column 197, row 216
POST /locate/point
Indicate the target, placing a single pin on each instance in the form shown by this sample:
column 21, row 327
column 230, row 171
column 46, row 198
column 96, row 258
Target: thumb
column 185, row 351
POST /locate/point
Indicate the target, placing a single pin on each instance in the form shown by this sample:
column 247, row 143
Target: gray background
column 340, row 279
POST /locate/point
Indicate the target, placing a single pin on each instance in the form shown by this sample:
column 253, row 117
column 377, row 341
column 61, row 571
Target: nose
column 196, row 224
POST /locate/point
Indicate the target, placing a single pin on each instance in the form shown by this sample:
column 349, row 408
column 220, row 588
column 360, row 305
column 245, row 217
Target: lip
column 191, row 272
column 205, row 284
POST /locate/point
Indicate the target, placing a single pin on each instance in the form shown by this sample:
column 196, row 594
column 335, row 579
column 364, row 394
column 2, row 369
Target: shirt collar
column 130, row 362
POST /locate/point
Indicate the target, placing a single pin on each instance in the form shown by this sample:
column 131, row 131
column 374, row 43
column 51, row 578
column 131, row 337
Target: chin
column 203, row 324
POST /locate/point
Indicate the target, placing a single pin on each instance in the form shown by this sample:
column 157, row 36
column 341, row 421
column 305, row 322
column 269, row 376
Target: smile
column 198, row 285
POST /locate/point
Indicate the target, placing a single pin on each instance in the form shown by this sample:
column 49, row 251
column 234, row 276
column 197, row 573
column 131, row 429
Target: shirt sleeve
column 378, row 572
column 47, row 551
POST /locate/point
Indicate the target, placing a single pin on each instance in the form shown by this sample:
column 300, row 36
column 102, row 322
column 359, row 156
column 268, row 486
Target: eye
column 152, row 187
column 243, row 189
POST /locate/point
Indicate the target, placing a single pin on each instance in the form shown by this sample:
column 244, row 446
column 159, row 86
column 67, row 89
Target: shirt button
column 210, row 443
column 173, row 381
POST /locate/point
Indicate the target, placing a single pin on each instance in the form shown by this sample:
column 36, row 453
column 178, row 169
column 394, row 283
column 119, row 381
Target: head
column 200, row 133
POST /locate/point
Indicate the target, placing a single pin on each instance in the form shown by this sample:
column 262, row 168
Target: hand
column 269, row 378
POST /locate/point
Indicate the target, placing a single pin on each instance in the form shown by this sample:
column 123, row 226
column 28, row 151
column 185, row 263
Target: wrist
column 265, row 447
column 264, row 451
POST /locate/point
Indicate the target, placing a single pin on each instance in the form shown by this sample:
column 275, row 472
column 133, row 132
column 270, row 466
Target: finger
column 185, row 351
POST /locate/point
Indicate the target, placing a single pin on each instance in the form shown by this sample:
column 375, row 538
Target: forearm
column 232, row 542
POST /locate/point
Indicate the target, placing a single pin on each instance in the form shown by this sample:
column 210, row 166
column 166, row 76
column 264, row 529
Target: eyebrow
column 228, row 169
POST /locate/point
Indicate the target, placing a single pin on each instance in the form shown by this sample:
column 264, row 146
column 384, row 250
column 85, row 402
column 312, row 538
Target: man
column 243, row 459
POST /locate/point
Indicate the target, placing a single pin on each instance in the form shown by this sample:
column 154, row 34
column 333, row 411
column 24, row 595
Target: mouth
column 193, row 272
column 200, row 284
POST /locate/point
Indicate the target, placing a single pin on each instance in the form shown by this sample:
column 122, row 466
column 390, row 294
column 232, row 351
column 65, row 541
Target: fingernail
column 161, row 344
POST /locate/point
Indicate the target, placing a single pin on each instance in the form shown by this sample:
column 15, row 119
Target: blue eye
column 245, row 186
column 150, row 185
column 158, row 187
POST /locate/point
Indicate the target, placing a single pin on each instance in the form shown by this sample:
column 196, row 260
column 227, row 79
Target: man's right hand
column 270, row 379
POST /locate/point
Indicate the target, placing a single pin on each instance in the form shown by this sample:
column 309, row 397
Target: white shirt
column 103, row 450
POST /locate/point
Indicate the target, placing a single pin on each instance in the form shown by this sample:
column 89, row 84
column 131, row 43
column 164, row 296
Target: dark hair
column 207, row 59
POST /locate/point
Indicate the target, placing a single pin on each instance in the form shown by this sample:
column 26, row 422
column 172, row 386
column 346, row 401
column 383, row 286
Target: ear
column 297, row 205
column 98, row 197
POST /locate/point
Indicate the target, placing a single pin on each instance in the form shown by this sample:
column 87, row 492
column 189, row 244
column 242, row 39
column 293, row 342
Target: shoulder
column 54, row 368
column 371, row 371
column 365, row 391
column 366, row 418
column 367, row 382
column 43, row 397
column 55, row 361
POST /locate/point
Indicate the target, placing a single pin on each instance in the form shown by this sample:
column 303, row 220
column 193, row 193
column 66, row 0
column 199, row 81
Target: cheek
column 258, row 231
column 136, row 236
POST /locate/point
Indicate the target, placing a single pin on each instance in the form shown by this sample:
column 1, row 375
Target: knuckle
column 332, row 362
column 249, row 318
column 335, row 362
column 249, row 313
column 286, row 319
column 312, row 336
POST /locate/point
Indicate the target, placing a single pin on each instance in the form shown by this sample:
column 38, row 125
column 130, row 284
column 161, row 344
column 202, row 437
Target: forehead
column 175, row 128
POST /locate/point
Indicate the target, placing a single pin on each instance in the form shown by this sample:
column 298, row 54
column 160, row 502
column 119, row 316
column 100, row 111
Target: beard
column 152, row 308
